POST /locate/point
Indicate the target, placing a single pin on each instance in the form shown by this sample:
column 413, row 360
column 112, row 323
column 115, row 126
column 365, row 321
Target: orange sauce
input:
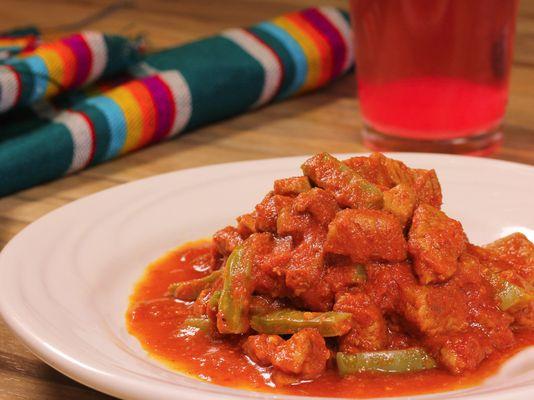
column 155, row 320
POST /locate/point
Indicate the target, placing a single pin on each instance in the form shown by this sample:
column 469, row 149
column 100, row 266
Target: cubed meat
column 366, row 236
column 260, row 348
column 518, row 252
column 305, row 354
column 459, row 321
column 384, row 283
column 343, row 276
column 305, row 268
column 319, row 203
column 310, row 212
column 427, row 187
column 401, row 201
column 375, row 174
column 267, row 211
column 512, row 291
column 482, row 305
column 524, row 316
column 368, row 330
column 381, row 171
column 349, row 188
column 270, row 267
column 246, row 224
column 276, row 258
column 396, row 171
column 291, row 222
column 431, row 309
column 441, row 318
column 270, row 285
column 461, row 352
column 435, row 242
column 319, row 297
column 292, row 186
column 226, row 240
column 200, row 306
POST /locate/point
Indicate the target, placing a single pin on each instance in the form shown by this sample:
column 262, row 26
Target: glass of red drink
column 433, row 74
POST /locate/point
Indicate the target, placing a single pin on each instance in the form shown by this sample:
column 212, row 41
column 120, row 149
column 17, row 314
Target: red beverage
column 433, row 74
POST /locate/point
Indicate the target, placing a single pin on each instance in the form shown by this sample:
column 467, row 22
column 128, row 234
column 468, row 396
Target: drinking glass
column 433, row 75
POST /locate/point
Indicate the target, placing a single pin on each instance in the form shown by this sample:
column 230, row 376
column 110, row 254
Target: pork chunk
column 267, row 211
column 368, row 330
column 246, row 224
column 435, row 242
column 270, row 265
column 319, row 297
column 382, row 171
column 366, row 236
column 385, row 281
column 462, row 352
column 524, row 316
column 459, row 321
column 401, row 201
column 292, row 186
column 260, row 348
column 518, row 252
column 343, row 276
column 311, row 211
column 303, row 356
column 349, row 188
column 431, row 312
column 427, row 187
column 305, row 267
column 504, row 269
column 226, row 240
column 319, row 203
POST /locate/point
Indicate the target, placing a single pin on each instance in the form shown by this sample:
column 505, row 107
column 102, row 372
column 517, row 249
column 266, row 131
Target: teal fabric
column 235, row 78
column 166, row 93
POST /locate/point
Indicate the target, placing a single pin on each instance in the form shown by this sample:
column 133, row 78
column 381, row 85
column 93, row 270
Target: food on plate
column 346, row 281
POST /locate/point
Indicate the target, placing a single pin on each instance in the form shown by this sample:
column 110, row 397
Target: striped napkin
column 64, row 125
column 17, row 41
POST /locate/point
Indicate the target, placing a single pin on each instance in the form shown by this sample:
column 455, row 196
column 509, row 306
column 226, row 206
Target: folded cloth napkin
column 173, row 91
column 65, row 64
column 17, row 41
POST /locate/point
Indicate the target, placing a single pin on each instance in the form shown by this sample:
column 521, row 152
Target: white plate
column 66, row 278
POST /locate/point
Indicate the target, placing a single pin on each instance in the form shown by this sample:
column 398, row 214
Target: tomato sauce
column 156, row 321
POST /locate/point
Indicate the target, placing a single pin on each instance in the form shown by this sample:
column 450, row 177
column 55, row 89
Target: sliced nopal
column 234, row 303
column 291, row 321
column 391, row 361
column 189, row 290
column 349, row 188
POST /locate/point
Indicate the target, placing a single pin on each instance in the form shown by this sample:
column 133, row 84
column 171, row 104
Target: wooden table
column 325, row 121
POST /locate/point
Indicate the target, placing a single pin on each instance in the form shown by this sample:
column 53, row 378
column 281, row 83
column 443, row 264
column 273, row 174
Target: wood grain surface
column 327, row 120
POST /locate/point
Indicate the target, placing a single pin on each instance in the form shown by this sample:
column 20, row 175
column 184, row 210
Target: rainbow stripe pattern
column 17, row 41
column 169, row 92
column 68, row 63
column 10, row 46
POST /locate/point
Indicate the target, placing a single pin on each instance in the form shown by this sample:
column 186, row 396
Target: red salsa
column 155, row 319
column 349, row 281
